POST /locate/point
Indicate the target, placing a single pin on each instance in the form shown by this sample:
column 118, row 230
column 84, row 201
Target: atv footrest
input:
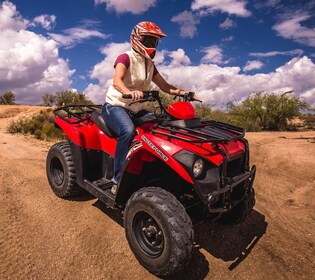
column 103, row 184
column 102, row 190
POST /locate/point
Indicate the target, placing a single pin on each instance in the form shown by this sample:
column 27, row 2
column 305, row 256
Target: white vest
column 137, row 77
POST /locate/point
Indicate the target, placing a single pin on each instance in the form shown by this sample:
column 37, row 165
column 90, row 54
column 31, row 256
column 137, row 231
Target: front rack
column 74, row 114
column 207, row 131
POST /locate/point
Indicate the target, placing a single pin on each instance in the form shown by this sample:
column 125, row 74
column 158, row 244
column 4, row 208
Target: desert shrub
column 40, row 125
column 15, row 126
column 7, row 98
column 309, row 120
column 267, row 111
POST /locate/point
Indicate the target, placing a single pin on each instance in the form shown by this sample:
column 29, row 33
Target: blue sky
column 222, row 49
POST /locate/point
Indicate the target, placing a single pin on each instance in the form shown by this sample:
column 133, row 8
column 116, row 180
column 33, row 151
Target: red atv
column 179, row 169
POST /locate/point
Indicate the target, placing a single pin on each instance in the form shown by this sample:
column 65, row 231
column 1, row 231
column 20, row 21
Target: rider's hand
column 136, row 94
column 196, row 98
column 181, row 91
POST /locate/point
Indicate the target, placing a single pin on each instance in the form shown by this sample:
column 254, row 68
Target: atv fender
column 147, row 148
column 87, row 135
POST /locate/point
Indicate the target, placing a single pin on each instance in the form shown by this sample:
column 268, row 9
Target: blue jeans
column 120, row 121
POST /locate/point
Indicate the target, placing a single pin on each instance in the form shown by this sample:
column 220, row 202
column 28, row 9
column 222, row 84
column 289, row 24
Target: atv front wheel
column 241, row 211
column 60, row 171
column 158, row 230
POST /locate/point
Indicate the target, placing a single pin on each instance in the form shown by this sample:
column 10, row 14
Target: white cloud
column 104, row 71
column 75, row 35
column 127, row 6
column 218, row 85
column 290, row 28
column 46, row 21
column 178, row 58
column 213, row 84
column 252, row 65
column 296, row 52
column 227, row 24
column 213, row 54
column 228, row 39
column 232, row 7
column 30, row 63
column 187, row 23
column 10, row 18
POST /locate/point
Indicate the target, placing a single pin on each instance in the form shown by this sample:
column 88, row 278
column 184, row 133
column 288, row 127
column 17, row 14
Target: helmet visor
column 150, row 41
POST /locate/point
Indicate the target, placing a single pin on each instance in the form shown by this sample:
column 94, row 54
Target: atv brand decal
column 151, row 145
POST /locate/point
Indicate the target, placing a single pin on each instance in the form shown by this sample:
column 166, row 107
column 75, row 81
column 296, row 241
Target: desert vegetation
column 258, row 112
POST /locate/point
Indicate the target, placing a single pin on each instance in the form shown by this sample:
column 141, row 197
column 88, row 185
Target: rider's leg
column 117, row 118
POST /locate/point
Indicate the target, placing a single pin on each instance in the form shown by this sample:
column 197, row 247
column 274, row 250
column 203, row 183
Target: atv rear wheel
column 60, row 171
column 241, row 211
column 158, row 230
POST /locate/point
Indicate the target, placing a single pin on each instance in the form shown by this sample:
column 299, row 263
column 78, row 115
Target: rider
column 134, row 71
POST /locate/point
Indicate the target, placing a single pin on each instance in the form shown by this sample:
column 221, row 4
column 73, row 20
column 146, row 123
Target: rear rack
column 74, row 114
column 207, row 131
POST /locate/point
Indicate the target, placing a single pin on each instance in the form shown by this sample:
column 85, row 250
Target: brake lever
column 142, row 100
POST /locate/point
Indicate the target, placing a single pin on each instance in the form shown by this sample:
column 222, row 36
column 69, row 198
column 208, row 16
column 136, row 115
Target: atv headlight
column 198, row 167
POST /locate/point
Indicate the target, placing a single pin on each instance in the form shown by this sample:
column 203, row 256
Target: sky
column 224, row 50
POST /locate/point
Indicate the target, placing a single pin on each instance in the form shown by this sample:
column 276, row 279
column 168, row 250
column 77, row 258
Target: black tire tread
column 179, row 222
column 71, row 189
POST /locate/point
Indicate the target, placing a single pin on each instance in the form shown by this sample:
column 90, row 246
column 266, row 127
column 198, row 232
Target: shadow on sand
column 229, row 243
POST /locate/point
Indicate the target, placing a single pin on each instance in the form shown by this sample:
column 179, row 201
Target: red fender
column 151, row 147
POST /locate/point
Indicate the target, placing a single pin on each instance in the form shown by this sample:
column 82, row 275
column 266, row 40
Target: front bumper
column 228, row 189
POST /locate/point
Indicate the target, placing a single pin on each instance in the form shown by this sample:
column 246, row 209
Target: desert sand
column 45, row 237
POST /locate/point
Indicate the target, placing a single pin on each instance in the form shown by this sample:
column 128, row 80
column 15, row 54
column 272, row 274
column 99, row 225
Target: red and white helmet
column 144, row 38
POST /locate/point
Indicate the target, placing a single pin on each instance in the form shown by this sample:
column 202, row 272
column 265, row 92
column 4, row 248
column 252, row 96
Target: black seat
column 99, row 121
column 149, row 118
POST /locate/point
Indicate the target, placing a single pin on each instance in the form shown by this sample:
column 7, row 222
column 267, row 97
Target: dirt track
column 44, row 237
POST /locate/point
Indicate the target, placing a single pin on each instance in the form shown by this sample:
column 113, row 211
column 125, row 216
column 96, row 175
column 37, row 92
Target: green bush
column 267, row 111
column 40, row 125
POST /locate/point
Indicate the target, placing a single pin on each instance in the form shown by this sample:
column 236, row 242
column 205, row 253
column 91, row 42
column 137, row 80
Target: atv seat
column 149, row 118
column 99, row 121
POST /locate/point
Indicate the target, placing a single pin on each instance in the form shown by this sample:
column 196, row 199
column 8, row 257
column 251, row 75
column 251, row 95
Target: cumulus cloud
column 213, row 54
column 178, row 58
column 215, row 85
column 76, row 35
column 232, row 7
column 104, row 70
column 46, row 21
column 187, row 22
column 30, row 63
column 296, row 52
column 127, row 6
column 10, row 18
column 227, row 24
column 290, row 27
column 218, row 85
column 252, row 65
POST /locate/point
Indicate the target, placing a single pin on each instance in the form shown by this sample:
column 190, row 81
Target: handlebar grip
column 127, row 96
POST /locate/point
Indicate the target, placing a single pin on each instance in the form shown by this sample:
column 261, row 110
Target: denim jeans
column 120, row 121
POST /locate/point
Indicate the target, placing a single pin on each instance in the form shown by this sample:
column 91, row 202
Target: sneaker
column 114, row 189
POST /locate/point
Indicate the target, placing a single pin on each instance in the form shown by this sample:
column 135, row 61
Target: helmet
column 144, row 38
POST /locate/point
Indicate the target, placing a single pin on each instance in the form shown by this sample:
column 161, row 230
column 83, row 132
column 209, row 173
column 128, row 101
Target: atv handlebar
column 188, row 96
column 152, row 95
column 146, row 94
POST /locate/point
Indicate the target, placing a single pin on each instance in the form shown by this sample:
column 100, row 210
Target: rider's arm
column 165, row 86
column 118, row 83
